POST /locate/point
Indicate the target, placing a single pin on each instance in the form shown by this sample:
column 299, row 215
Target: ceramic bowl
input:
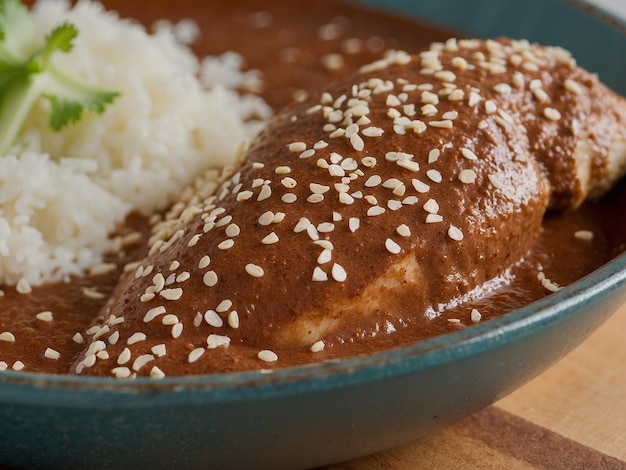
column 312, row 415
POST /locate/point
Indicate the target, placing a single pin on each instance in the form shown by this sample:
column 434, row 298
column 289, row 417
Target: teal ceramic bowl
column 317, row 414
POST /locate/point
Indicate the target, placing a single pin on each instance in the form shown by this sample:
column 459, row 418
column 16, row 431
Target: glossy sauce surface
column 299, row 49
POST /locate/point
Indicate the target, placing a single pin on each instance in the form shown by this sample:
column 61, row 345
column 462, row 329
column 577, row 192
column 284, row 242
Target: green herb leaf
column 27, row 74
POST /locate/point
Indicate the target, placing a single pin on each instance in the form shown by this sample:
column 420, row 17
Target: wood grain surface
column 571, row 417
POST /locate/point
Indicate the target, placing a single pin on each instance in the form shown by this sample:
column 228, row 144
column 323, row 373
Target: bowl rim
column 27, row 387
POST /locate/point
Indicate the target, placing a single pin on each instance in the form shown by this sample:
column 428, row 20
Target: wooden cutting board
column 571, row 417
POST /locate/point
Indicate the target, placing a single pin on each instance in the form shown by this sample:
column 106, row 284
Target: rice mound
column 63, row 193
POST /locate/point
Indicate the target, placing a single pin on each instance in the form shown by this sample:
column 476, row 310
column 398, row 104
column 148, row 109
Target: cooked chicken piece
column 412, row 186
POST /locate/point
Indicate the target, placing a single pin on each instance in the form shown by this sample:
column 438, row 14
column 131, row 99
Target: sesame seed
column 540, row 95
column 233, row 319
column 124, row 356
column 474, row 99
column 177, row 330
column 153, row 313
column 454, row 320
column 282, row 170
column 373, row 132
column 455, row 95
column 475, row 315
column 77, row 338
column 375, row 211
column 431, row 206
column 23, row 287
column 326, row 227
column 434, row 176
column 353, row 224
column 584, row 235
column 141, row 361
column 7, row 336
column 307, row 153
column 572, row 86
column 159, row 281
column 394, row 204
column 429, row 98
column 315, row 198
column 114, row 337
column 302, row 225
column 159, row 350
column 265, row 193
column 270, row 239
column 403, row 230
column 429, row 110
column 433, row 218
column 318, row 346
column 267, row 218
column 408, row 165
column 44, row 316
column 215, row 341
column 121, row 372
column 18, row 365
column 455, row 233
column 467, row 153
column 254, row 270
column 171, row 294
column 319, row 275
column 104, row 355
column 244, row 196
column 445, row 76
column 267, row 356
column 552, row 114
column 318, row 188
column 502, row 88
column 490, row 107
column 52, row 354
column 193, row 240
column 233, row 230
column 467, row 176
column 444, row 124
column 289, row 198
column 420, row 186
column 213, row 319
column 224, row 221
column 224, row 305
column 493, row 179
column 369, row 162
column 373, row 181
column 195, row 355
column 136, row 338
column 392, row 247
column 325, row 256
column 339, row 273
column 297, row 147
column 226, row 244
column 156, row 373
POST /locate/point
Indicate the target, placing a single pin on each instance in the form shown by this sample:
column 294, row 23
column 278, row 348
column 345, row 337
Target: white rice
column 61, row 194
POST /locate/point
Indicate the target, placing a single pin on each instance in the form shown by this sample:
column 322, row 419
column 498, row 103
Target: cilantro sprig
column 27, row 74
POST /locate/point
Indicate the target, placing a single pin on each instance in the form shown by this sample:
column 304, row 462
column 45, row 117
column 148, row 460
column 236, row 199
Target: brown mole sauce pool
column 289, row 43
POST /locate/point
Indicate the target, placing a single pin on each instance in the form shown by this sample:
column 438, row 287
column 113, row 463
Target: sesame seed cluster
column 387, row 196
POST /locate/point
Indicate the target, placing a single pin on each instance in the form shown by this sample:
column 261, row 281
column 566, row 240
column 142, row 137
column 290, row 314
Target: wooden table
column 571, row 417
